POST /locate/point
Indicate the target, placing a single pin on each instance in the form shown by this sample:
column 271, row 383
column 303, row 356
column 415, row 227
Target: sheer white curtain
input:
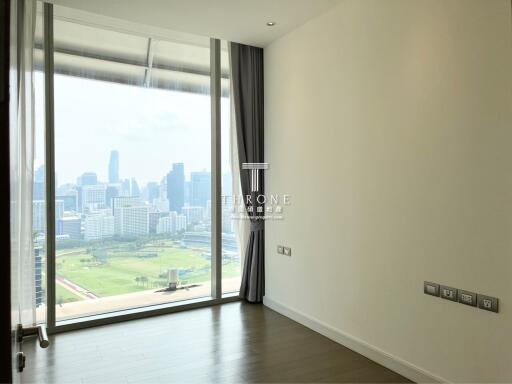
column 22, row 159
column 242, row 226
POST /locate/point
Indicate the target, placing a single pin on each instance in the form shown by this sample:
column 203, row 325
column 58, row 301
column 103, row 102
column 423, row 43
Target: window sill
column 139, row 313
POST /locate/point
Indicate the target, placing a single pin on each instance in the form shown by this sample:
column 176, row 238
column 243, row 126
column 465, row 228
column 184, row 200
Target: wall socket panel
column 431, row 289
column 487, row 303
column 284, row 250
column 466, row 297
column 449, row 293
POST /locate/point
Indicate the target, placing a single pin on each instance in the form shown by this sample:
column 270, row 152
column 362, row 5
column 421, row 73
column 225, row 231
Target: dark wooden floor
column 226, row 344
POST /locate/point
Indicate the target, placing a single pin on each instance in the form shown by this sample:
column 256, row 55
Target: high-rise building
column 181, row 223
column 162, row 203
column 99, row 226
column 113, row 167
column 176, row 187
column 134, row 188
column 152, row 191
column 125, row 201
column 39, row 214
column 194, row 215
column 187, row 193
column 111, row 192
column 167, row 223
column 69, row 227
column 70, row 202
column 171, row 223
column 200, row 188
column 153, row 218
column 131, row 217
column 38, row 280
column 126, row 189
column 94, row 197
column 59, row 209
column 87, row 178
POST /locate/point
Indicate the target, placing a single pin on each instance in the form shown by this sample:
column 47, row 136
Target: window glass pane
column 230, row 188
column 132, row 153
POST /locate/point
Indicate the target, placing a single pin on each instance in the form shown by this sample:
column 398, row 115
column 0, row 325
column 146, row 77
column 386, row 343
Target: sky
column 151, row 129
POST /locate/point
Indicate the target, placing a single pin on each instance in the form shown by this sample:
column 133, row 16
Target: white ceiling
column 242, row 21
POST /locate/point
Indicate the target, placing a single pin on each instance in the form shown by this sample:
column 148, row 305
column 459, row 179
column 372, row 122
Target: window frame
column 216, row 296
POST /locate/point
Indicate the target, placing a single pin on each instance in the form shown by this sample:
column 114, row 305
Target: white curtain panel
column 22, row 160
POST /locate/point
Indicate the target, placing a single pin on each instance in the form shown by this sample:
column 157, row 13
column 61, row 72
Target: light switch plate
column 280, row 249
column 430, row 288
column 287, row 251
column 449, row 293
column 466, row 297
column 488, row 303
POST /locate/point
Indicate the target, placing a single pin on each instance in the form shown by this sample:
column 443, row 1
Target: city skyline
column 90, row 177
column 151, row 129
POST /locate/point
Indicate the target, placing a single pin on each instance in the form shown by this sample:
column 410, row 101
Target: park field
column 120, row 268
column 64, row 295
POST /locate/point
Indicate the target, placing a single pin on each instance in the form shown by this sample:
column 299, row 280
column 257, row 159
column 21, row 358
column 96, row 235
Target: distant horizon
column 152, row 129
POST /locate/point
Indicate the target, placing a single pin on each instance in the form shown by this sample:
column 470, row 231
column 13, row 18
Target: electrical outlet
column 449, row 293
column 488, row 303
column 430, row 288
column 466, row 297
column 280, row 249
column 287, row 251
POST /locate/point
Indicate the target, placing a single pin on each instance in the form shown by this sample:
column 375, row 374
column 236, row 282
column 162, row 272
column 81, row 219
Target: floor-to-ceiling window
column 133, row 170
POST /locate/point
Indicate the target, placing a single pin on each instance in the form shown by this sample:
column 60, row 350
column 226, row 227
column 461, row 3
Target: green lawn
column 64, row 295
column 120, row 264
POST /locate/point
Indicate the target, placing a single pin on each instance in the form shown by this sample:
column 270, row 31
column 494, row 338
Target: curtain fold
column 247, row 87
column 241, row 227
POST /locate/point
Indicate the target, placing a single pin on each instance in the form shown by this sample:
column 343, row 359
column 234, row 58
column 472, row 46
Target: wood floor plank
column 231, row 343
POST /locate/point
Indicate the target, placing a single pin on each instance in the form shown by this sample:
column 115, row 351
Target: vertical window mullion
column 50, row 165
column 216, row 224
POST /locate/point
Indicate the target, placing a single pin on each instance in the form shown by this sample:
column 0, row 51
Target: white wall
column 390, row 124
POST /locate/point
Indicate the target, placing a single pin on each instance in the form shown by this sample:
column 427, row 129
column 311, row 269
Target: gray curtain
column 247, row 88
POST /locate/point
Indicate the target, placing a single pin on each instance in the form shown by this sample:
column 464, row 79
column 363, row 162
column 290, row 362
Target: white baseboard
column 394, row 363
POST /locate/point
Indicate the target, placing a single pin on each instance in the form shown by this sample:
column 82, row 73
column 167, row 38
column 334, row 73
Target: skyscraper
column 111, row 192
column 134, row 188
column 200, row 188
column 113, row 167
column 69, row 227
column 152, row 191
column 38, row 275
column 176, row 187
column 94, row 197
column 131, row 217
column 99, row 226
column 87, row 178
